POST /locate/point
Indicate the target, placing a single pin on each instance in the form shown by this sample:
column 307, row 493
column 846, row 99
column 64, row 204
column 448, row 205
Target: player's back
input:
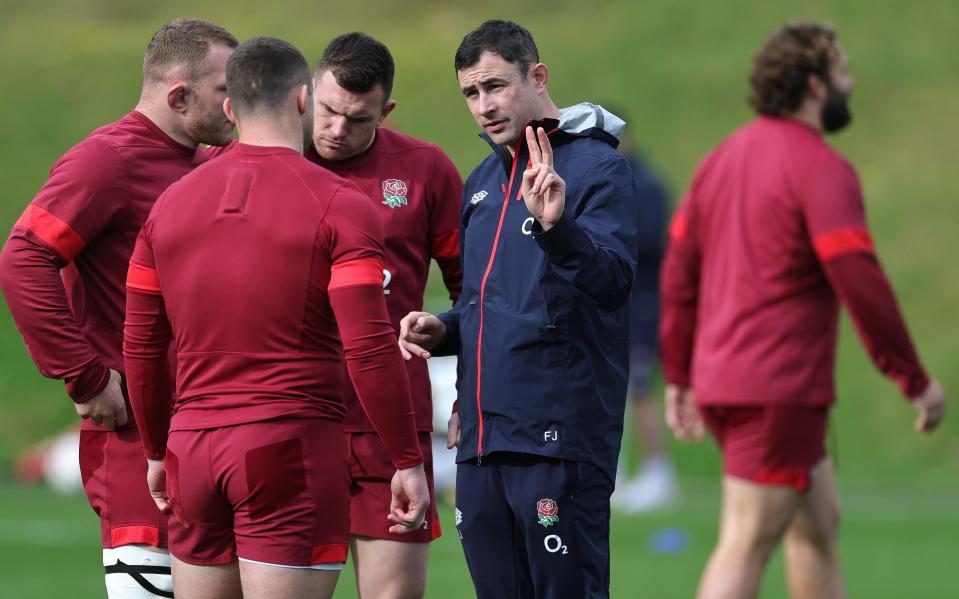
column 767, row 316
column 242, row 250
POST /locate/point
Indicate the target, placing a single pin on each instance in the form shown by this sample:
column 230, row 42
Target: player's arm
column 592, row 244
column 446, row 191
column 835, row 217
column 369, row 343
column 83, row 196
column 679, row 301
column 373, row 359
column 146, row 343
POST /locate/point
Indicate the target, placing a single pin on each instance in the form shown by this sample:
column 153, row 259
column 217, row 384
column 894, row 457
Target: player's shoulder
column 406, row 147
column 397, row 141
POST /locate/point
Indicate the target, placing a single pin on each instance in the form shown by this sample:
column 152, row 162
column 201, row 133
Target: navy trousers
column 534, row 527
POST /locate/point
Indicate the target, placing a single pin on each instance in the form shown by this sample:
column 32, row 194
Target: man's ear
column 816, row 88
column 178, row 96
column 304, row 99
column 387, row 109
column 228, row 111
column 540, row 74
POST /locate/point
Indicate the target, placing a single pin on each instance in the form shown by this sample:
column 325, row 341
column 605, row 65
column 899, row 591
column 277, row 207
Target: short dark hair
column 784, row 63
column 358, row 62
column 182, row 42
column 261, row 73
column 510, row 41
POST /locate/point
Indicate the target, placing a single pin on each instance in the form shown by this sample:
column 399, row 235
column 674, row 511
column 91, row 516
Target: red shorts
column 275, row 492
column 371, row 471
column 114, row 474
column 769, row 445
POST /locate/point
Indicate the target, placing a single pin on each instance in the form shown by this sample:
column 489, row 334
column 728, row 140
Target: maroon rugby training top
column 417, row 193
column 256, row 264
column 83, row 224
column 771, row 234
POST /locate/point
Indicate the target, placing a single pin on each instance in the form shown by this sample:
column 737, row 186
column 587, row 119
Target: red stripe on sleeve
column 679, row 226
column 143, row 278
column 56, row 233
column 360, row 271
column 841, row 242
column 448, row 245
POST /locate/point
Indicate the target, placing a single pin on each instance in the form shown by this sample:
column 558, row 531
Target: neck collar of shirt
column 250, row 150
column 161, row 134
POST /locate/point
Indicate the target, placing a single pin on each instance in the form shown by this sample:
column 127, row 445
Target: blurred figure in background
column 770, row 237
column 654, row 484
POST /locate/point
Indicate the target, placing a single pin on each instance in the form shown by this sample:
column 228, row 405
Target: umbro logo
column 478, row 197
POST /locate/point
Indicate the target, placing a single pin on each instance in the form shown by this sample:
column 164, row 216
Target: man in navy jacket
column 549, row 224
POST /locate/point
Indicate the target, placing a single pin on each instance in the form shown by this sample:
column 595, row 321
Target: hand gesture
column 544, row 191
column 411, row 498
column 419, row 333
column 931, row 406
column 106, row 407
column 682, row 416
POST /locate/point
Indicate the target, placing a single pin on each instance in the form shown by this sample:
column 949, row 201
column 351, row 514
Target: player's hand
column 411, row 499
column 156, row 481
column 107, row 407
column 544, row 191
column 453, row 431
column 682, row 416
column 931, row 406
column 419, row 333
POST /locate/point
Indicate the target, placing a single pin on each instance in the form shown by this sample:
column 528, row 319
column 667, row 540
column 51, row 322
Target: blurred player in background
column 258, row 265
column 654, row 485
column 416, row 193
column 770, row 237
column 82, row 224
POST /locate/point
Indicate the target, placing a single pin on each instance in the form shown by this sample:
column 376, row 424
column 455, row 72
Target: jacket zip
column 489, row 267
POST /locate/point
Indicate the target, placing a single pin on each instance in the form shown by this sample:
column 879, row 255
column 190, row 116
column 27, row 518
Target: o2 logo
column 387, row 277
column 554, row 544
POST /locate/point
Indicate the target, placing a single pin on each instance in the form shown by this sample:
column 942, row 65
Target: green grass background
column 679, row 68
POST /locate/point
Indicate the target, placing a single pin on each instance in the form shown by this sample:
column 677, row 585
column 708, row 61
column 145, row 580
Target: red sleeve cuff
column 89, row 383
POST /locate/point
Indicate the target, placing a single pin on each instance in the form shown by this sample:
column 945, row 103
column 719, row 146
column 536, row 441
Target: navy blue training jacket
column 542, row 324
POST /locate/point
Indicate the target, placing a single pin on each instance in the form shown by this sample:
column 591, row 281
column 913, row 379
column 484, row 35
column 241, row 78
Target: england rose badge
column 548, row 511
column 394, row 193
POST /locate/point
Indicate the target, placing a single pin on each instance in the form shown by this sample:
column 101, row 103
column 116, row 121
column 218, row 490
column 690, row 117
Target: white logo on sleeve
column 478, row 197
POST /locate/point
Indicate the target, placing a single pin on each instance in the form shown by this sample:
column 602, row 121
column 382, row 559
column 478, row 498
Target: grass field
column 679, row 68
column 895, row 544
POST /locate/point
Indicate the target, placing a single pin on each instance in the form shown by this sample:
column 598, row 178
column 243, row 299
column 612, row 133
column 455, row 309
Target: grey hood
column 580, row 118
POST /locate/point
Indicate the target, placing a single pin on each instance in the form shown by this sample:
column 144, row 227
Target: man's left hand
column 544, row 191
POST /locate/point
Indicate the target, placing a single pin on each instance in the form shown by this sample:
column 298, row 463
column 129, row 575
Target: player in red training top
column 257, row 265
column 82, row 224
column 416, row 192
column 770, row 236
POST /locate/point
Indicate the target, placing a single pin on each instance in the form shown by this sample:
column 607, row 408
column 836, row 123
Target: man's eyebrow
column 352, row 117
column 485, row 83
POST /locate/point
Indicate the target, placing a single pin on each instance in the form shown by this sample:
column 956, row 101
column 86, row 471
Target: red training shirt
column 255, row 265
column 417, row 193
column 83, row 224
column 771, row 234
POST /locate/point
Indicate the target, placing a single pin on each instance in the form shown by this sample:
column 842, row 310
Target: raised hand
column 544, row 191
